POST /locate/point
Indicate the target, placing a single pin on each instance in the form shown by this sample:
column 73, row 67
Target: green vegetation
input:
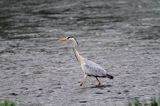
column 153, row 102
column 136, row 102
column 7, row 103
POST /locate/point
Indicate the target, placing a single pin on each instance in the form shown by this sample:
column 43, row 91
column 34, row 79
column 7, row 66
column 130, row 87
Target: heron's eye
column 68, row 37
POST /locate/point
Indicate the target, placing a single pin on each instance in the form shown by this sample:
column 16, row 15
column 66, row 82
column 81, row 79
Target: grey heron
column 89, row 68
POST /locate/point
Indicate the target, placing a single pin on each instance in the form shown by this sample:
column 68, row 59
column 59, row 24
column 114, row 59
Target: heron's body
column 89, row 68
column 92, row 69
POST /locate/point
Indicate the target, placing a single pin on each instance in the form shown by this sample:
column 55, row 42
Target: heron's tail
column 109, row 76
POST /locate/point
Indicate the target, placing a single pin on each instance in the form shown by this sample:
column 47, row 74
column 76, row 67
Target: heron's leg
column 99, row 83
column 84, row 79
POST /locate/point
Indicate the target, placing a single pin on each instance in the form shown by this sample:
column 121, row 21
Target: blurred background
column 121, row 35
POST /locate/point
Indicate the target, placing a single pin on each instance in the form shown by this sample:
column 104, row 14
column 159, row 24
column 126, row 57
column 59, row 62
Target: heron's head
column 68, row 38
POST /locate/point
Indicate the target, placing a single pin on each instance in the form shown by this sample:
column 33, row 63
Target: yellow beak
column 62, row 40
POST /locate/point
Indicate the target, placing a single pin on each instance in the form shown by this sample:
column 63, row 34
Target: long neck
column 79, row 58
column 74, row 42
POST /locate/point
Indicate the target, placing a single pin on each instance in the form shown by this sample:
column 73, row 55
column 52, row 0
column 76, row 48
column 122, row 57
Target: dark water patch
column 24, row 88
column 51, row 11
column 83, row 101
column 150, row 33
column 37, row 72
column 101, row 86
column 101, row 18
column 126, row 91
column 7, row 51
column 95, row 6
column 3, row 29
column 50, row 91
column 59, row 87
column 35, row 3
column 108, row 91
column 13, row 94
column 95, row 29
column 98, row 93
column 150, row 37
column 55, row 17
column 119, row 92
column 18, row 37
column 11, row 68
column 119, row 44
column 96, row 87
column 39, row 95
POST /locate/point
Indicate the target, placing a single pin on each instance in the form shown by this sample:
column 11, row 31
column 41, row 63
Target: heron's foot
column 99, row 84
column 81, row 83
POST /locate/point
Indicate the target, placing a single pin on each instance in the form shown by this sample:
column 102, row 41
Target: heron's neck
column 74, row 43
column 79, row 58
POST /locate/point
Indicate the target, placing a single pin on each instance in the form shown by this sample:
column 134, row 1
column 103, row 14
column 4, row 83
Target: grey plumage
column 93, row 69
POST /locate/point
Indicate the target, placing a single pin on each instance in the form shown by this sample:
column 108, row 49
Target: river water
column 123, row 36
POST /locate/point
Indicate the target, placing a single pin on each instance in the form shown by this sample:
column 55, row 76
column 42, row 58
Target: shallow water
column 122, row 36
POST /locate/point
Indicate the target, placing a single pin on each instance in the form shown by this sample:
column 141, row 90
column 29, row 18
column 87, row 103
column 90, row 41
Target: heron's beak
column 62, row 40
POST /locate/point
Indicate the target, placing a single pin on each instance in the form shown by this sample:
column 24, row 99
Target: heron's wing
column 93, row 69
